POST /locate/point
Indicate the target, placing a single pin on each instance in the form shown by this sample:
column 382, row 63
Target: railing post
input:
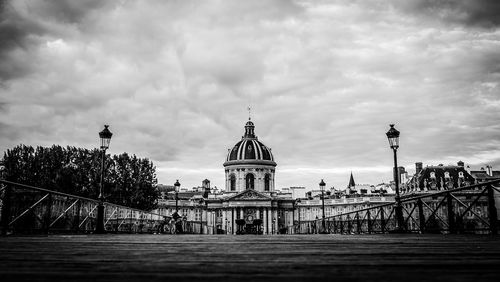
column 349, row 224
column 100, row 229
column 358, row 223
column 369, row 221
column 76, row 219
column 117, row 220
column 492, row 210
column 341, row 225
column 141, row 222
column 6, row 206
column 382, row 220
column 47, row 216
column 421, row 216
column 451, row 213
column 130, row 223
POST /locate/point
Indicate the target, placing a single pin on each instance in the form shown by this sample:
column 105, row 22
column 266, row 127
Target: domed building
column 249, row 164
column 249, row 203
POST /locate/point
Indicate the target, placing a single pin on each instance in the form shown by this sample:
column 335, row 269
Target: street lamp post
column 177, row 186
column 393, row 137
column 201, row 202
column 105, row 136
column 322, row 188
column 297, row 202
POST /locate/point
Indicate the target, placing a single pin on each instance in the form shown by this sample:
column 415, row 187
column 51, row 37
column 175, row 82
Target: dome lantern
column 249, row 130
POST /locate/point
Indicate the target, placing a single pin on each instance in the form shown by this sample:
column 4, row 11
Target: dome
column 250, row 148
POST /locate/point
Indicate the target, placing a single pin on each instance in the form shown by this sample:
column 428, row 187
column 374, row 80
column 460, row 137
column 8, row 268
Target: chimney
column 401, row 172
column 418, row 168
column 460, row 164
column 489, row 170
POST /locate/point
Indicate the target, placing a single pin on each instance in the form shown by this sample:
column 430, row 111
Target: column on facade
column 230, row 220
column 224, row 217
column 287, row 219
column 276, row 223
column 270, row 215
column 203, row 217
column 210, row 222
column 214, row 219
column 233, row 220
column 264, row 221
column 270, row 220
column 210, row 225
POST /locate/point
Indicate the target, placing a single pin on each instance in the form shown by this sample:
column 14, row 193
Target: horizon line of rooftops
column 430, row 177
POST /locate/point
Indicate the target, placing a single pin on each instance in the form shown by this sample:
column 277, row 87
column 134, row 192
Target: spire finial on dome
column 249, row 113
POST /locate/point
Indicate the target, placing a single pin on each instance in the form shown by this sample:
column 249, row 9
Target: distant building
column 354, row 197
column 483, row 174
column 437, row 178
column 363, row 190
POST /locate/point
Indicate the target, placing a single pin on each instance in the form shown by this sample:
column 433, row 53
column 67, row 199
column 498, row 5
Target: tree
column 128, row 181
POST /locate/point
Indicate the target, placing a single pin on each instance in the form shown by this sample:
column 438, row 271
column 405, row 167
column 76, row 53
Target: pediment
column 249, row 195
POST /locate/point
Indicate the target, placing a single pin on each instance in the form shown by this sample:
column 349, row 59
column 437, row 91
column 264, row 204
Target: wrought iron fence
column 32, row 210
column 470, row 209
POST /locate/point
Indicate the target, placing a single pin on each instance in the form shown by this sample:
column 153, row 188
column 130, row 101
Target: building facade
column 249, row 204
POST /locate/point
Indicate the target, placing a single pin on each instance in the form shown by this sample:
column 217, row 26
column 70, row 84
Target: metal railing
column 470, row 209
column 32, row 210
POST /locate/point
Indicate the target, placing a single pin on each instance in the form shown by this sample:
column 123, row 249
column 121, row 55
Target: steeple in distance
column 351, row 182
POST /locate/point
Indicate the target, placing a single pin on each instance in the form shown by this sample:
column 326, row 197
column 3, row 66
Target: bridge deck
column 245, row 258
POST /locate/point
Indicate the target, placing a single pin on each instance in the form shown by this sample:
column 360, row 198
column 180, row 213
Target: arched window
column 250, row 179
column 233, row 182
column 267, row 182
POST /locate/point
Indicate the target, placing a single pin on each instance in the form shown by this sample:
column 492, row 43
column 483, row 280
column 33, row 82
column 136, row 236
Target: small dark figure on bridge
column 178, row 223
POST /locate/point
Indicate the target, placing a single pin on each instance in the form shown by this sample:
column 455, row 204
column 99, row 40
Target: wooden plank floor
column 250, row 258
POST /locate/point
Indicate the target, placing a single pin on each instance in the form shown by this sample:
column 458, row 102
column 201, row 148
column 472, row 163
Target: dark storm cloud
column 14, row 32
column 23, row 28
column 481, row 13
column 324, row 79
column 70, row 12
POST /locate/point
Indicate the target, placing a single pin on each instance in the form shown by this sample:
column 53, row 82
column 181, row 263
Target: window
column 233, row 182
column 267, row 182
column 197, row 215
column 250, row 179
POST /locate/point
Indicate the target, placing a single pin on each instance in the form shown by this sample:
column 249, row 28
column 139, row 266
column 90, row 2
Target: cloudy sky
column 323, row 78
